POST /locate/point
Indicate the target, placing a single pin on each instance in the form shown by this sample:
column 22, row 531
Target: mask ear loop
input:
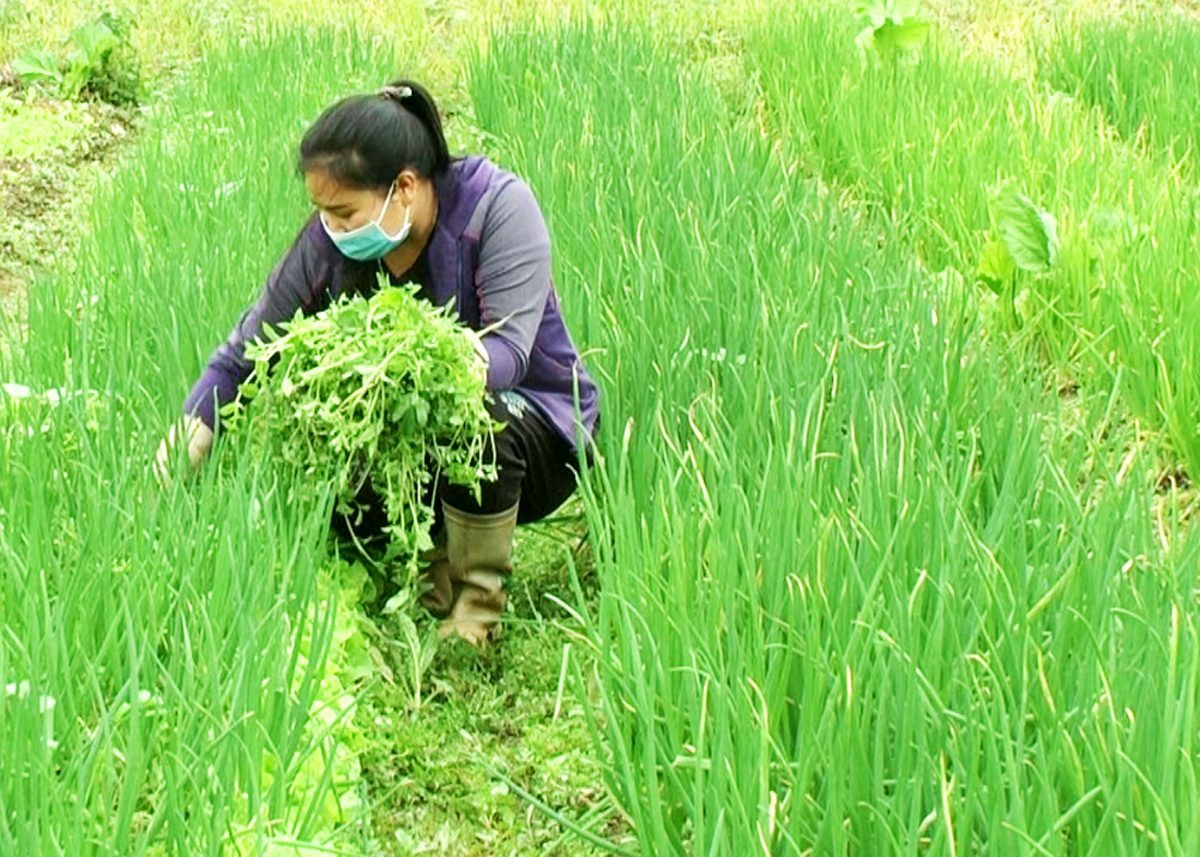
column 383, row 211
column 378, row 220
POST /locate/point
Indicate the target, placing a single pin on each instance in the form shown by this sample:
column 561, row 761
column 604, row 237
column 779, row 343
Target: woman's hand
column 199, row 439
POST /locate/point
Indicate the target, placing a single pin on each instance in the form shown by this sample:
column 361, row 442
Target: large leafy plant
column 384, row 396
column 894, row 28
column 97, row 59
column 1024, row 241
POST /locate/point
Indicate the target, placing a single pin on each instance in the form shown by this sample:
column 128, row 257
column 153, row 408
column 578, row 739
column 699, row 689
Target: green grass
column 53, row 154
column 1142, row 76
column 32, row 128
column 860, row 592
column 168, row 645
column 445, row 776
column 166, row 34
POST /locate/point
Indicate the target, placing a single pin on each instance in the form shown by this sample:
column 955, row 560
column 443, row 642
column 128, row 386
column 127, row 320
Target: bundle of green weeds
column 383, row 396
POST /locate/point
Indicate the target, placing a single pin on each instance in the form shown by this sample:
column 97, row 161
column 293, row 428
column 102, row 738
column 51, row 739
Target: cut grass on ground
column 447, row 776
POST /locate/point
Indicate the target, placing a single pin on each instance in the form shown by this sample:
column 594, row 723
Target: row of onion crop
column 929, row 139
column 175, row 660
column 1141, row 72
column 866, row 588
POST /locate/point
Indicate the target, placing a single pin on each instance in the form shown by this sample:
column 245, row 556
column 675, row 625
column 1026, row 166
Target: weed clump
column 97, row 61
column 382, row 396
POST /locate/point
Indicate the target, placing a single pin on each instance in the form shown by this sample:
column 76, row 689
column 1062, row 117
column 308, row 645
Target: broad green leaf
column 78, row 74
column 37, row 66
column 996, row 267
column 95, row 40
column 1029, row 233
column 877, row 12
column 894, row 37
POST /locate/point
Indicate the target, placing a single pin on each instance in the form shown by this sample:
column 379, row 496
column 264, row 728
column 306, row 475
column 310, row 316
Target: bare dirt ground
column 44, row 200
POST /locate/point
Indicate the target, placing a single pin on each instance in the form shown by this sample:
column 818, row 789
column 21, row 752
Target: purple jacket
column 489, row 253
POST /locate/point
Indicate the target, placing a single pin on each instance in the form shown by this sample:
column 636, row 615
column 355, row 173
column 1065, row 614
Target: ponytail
column 416, row 100
column 365, row 141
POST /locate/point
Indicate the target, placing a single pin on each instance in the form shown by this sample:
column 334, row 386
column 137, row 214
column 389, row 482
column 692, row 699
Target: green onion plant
column 866, row 587
column 179, row 662
column 935, row 141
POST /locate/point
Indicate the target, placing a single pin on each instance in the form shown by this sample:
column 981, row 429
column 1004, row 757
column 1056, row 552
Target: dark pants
column 536, row 468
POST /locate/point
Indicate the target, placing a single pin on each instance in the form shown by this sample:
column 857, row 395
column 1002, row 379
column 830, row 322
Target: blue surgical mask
column 370, row 242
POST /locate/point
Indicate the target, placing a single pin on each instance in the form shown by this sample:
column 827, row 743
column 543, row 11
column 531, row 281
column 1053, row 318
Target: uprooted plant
column 385, row 396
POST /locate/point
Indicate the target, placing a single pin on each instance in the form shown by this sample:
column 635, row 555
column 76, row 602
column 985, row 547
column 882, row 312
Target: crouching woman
column 388, row 198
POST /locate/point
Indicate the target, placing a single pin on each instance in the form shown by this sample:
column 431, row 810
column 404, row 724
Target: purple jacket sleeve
column 513, row 281
column 299, row 282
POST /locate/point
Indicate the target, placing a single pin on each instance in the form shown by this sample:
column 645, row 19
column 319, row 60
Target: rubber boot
column 438, row 592
column 479, row 551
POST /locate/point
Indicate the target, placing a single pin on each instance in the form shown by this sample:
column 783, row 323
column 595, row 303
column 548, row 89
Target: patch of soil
column 13, row 312
column 44, row 198
column 9, row 285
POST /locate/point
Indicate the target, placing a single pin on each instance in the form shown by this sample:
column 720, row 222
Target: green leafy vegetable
column 1029, row 233
column 93, row 43
column 100, row 62
column 996, row 267
column 385, row 394
column 37, row 66
column 893, row 28
column 1025, row 238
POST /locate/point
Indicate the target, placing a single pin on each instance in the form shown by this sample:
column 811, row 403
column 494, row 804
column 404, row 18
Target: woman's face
column 345, row 209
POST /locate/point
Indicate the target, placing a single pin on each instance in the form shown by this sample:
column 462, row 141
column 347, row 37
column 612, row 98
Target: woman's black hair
column 365, row 141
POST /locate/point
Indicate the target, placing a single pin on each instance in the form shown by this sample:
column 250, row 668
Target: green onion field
column 888, row 548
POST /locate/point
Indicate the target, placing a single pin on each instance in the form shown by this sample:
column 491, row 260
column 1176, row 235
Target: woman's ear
column 407, row 183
